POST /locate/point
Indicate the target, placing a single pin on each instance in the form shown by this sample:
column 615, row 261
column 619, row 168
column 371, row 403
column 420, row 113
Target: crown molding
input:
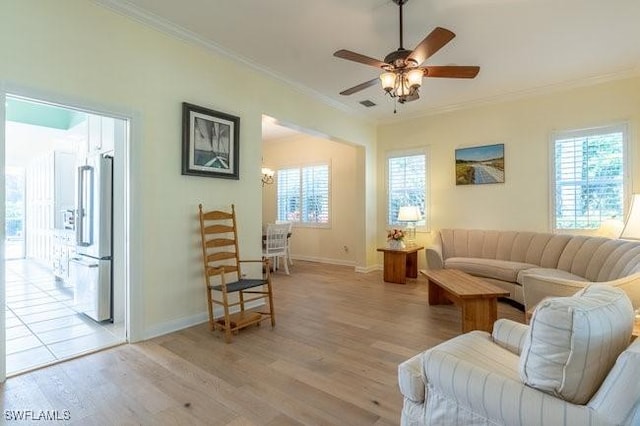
column 129, row 10
column 520, row 94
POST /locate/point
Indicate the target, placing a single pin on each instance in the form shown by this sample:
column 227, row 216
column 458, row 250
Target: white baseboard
column 341, row 262
column 186, row 322
column 365, row 270
column 325, row 260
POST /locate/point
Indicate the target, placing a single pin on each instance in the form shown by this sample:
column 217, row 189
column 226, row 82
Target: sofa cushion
column 574, row 341
column 490, row 268
column 549, row 273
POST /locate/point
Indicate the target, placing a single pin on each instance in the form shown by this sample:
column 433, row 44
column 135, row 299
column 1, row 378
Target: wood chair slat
column 217, row 215
column 223, row 255
column 220, row 242
column 218, row 229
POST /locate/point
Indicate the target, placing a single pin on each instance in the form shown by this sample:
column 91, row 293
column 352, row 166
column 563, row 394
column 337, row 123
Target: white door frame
column 126, row 243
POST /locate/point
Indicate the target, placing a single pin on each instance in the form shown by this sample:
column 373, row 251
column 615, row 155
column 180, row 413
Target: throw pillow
column 574, row 341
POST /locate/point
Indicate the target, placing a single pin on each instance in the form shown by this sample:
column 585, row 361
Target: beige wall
column 313, row 243
column 77, row 50
column 525, row 127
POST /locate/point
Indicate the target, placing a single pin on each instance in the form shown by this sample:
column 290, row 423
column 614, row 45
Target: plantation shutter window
column 303, row 194
column 406, row 185
column 589, row 177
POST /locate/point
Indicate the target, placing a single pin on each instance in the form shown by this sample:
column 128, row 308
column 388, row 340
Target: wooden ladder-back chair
column 223, row 275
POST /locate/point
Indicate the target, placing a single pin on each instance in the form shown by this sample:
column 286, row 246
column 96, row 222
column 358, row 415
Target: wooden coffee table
column 477, row 298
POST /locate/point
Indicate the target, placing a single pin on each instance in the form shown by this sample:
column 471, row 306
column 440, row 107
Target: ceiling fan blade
column 359, row 87
column 451, row 71
column 431, row 44
column 356, row 57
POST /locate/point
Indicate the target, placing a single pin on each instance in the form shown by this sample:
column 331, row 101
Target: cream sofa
column 532, row 265
column 573, row 366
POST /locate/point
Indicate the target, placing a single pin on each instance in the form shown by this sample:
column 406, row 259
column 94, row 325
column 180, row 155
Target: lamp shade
column 631, row 229
column 388, row 80
column 414, row 77
column 610, row 228
column 409, row 214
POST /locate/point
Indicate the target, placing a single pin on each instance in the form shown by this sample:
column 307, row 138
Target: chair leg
column 289, row 256
column 273, row 314
column 212, row 326
column 286, row 264
column 227, row 319
column 241, row 297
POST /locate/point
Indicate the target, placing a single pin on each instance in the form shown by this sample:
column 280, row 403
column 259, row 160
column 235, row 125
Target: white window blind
column 589, row 177
column 303, row 194
column 406, row 185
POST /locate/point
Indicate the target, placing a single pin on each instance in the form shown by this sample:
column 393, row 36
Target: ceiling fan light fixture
column 402, row 84
column 414, row 77
column 402, row 69
column 388, row 80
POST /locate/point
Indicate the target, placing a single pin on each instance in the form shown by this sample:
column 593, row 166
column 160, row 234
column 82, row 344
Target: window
column 303, row 194
column 589, row 177
column 406, row 184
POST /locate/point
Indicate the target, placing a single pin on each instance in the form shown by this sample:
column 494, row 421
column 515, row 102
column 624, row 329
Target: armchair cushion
column 573, row 342
column 510, row 335
column 410, row 378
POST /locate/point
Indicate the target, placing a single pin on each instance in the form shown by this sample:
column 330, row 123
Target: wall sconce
column 411, row 215
column 267, row 176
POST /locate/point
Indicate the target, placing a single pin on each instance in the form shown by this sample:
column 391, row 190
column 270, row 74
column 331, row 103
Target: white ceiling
column 522, row 46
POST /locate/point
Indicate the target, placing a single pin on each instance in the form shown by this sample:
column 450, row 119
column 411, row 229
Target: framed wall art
column 480, row 165
column 210, row 143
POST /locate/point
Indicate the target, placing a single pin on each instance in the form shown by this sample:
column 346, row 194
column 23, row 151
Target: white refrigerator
column 90, row 269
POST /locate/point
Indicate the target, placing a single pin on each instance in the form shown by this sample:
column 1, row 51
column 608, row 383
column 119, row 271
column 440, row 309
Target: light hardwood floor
column 331, row 360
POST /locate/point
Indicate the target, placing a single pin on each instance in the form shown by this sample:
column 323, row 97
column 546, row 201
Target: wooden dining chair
column 224, row 276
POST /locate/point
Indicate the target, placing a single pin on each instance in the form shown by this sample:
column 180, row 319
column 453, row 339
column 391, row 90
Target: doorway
column 61, row 298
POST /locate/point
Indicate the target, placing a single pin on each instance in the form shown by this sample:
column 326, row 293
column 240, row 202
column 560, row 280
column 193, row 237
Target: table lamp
column 410, row 215
column 631, row 229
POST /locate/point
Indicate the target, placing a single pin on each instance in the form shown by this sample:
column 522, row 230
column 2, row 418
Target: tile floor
column 42, row 326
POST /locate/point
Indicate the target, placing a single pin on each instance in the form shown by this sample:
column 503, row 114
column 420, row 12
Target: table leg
column 412, row 265
column 479, row 314
column 395, row 267
column 437, row 295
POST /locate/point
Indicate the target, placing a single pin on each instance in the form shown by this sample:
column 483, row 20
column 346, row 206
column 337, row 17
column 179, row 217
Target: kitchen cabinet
column 64, row 246
column 49, row 193
column 101, row 134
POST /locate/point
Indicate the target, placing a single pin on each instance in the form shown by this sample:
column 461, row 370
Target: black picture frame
column 210, row 143
column 479, row 165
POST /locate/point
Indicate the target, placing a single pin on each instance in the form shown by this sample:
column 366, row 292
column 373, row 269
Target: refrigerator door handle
column 84, row 215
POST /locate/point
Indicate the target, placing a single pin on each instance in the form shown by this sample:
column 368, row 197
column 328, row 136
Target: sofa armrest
column 510, row 335
column 434, row 256
column 411, row 379
column 538, row 287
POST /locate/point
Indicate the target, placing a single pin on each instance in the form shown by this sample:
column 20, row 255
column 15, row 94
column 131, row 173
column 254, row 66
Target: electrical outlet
column 346, row 249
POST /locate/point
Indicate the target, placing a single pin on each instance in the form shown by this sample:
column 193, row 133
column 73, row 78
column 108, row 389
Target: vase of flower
column 396, row 244
column 395, row 239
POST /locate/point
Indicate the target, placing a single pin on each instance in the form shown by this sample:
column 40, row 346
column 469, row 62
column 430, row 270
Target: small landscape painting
column 480, row 164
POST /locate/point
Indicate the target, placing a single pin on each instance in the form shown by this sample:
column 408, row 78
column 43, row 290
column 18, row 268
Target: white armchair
column 477, row 378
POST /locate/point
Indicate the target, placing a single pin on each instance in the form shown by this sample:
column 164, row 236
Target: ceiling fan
column 403, row 73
